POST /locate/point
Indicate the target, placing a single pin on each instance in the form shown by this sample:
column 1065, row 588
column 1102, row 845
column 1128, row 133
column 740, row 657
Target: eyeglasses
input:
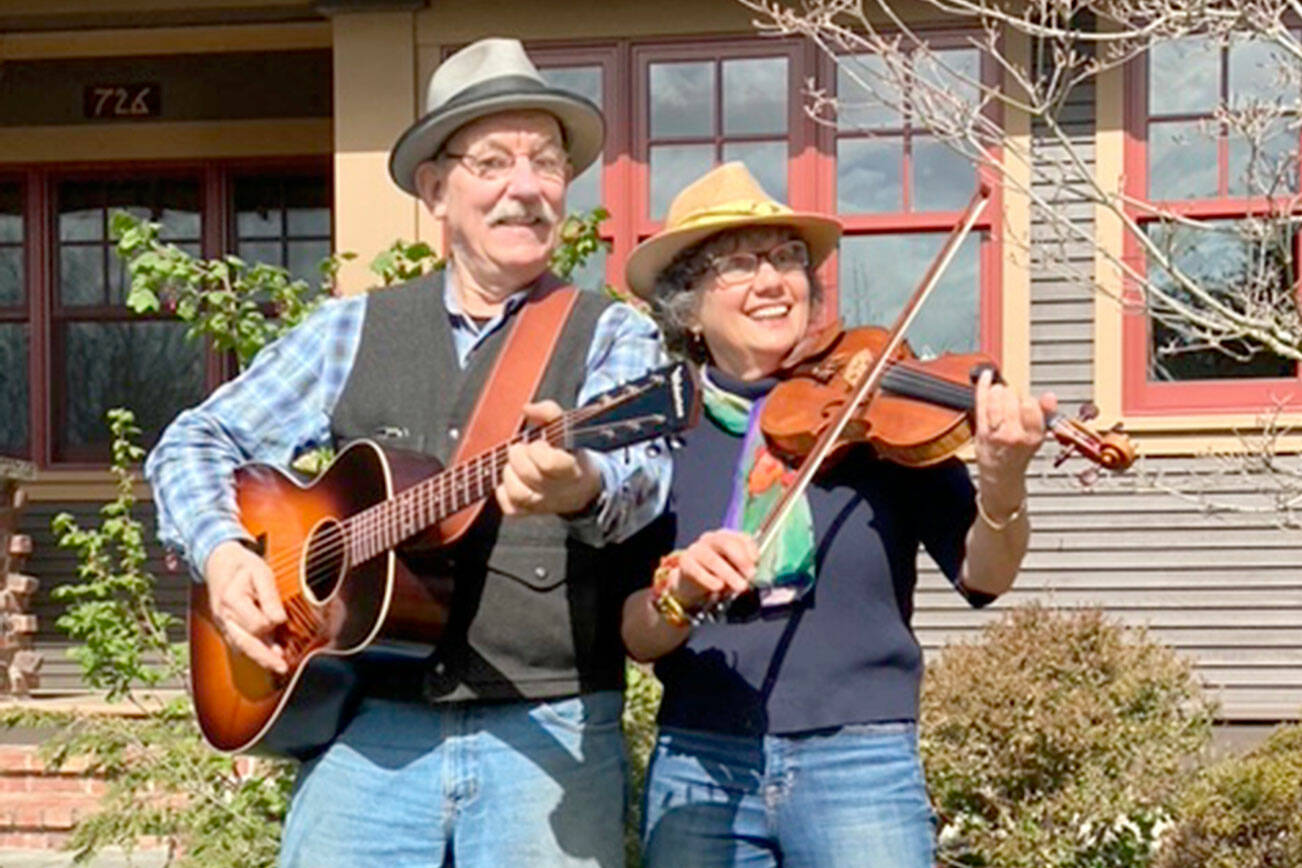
column 495, row 165
column 740, row 267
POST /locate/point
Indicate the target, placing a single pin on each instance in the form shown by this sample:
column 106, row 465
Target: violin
column 920, row 414
column 847, row 374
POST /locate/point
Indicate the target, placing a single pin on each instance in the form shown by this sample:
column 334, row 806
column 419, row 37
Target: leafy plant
column 641, row 702
column 1058, row 739
column 1243, row 812
column 162, row 782
column 238, row 306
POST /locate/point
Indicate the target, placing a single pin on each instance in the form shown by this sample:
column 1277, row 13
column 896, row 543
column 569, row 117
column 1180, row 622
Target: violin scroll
column 1111, row 450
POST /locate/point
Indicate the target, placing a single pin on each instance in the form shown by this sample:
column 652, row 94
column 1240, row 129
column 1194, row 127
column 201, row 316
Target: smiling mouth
column 770, row 312
column 523, row 224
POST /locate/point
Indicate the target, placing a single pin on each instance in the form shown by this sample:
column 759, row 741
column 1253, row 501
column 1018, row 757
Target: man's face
column 499, row 186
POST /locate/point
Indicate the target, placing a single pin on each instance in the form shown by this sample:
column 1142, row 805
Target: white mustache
column 514, row 209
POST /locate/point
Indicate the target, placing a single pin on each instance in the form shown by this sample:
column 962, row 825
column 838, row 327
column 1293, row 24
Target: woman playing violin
column 788, row 725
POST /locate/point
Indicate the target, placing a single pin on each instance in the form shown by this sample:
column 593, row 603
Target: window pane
column 1271, row 171
column 682, row 100
column 148, row 366
column 584, row 192
column 13, row 389
column 755, row 96
column 867, row 95
column 11, row 214
column 1227, row 265
column 307, row 206
column 767, row 161
column 591, row 275
column 869, row 174
column 953, row 71
column 943, row 179
column 305, row 260
column 673, row 167
column 583, row 80
column 265, row 252
column 1181, row 161
column 257, row 222
column 81, row 275
column 11, row 277
column 1261, row 72
column 171, row 202
column 1184, row 76
column 878, row 273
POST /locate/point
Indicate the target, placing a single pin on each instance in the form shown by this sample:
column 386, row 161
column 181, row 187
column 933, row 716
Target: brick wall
column 38, row 808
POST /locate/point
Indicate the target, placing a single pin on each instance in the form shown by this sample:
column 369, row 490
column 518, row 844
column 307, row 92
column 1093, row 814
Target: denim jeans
column 478, row 785
column 852, row 797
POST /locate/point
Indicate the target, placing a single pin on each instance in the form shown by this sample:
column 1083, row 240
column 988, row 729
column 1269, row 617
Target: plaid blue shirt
column 281, row 406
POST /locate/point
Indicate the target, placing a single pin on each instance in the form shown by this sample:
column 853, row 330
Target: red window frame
column 40, row 184
column 989, row 227
column 1139, row 394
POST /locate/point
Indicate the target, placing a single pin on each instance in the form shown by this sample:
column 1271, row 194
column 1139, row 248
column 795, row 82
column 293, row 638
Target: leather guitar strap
column 518, row 371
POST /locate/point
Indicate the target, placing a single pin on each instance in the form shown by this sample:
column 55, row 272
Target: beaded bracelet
column 665, row 601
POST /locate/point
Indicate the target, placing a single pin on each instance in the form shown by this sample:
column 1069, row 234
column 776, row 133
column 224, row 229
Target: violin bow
column 871, row 379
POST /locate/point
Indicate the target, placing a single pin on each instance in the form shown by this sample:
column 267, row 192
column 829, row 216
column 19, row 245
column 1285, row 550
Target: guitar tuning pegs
column 675, row 441
column 1088, row 476
column 653, row 449
column 1088, row 410
column 1062, row 456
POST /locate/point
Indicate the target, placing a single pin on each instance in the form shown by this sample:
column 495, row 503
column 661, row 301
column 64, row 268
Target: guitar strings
column 370, row 524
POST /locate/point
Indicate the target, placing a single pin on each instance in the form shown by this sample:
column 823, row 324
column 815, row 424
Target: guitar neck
column 391, row 522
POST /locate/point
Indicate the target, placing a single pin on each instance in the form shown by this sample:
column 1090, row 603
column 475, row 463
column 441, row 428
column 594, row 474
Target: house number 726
column 122, row 101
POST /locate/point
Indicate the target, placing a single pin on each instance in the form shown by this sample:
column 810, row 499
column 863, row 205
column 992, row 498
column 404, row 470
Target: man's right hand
column 245, row 605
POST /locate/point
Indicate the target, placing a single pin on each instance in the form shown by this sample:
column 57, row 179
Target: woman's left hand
column 1009, row 430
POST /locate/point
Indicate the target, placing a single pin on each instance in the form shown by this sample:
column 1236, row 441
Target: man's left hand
column 1009, row 430
column 541, row 479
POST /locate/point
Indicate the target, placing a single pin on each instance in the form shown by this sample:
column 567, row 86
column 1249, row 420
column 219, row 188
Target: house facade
column 262, row 128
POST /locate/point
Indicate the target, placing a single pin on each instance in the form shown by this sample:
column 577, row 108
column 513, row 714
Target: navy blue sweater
column 845, row 653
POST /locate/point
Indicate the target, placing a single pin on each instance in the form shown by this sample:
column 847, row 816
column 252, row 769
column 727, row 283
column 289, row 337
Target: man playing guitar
column 504, row 747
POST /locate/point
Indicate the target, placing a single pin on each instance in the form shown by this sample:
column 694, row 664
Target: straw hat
column 726, row 197
column 485, row 78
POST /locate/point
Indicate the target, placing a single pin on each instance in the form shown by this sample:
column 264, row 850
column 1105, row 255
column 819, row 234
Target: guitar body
column 336, row 609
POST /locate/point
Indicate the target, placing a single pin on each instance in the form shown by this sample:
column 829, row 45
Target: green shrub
column 641, row 702
column 1058, row 739
column 1242, row 812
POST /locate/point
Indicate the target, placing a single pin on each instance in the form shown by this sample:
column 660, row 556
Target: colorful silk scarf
column 786, row 569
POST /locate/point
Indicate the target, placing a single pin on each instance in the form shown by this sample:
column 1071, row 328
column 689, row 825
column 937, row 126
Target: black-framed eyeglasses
column 550, row 163
column 743, row 265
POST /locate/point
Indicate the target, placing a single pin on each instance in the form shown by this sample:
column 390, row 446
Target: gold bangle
column 671, row 609
column 998, row 526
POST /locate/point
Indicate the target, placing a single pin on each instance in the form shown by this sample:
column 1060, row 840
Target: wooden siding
column 1224, row 589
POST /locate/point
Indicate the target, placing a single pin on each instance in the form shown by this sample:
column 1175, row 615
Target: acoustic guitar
column 331, row 546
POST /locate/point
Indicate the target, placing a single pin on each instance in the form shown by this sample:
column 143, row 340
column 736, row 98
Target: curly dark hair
column 676, row 293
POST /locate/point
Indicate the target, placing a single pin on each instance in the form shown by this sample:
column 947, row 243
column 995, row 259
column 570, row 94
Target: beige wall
column 375, row 100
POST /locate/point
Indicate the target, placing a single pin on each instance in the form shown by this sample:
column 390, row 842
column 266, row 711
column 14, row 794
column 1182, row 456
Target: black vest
column 535, row 613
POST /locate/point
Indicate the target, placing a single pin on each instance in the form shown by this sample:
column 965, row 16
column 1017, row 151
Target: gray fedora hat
column 484, row 78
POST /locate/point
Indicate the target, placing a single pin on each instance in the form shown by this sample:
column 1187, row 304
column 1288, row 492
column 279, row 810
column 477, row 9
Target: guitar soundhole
column 325, row 560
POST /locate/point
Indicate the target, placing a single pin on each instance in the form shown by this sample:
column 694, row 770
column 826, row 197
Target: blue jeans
column 478, row 785
column 852, row 797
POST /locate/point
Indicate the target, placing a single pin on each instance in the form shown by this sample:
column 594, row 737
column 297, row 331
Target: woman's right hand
column 718, row 566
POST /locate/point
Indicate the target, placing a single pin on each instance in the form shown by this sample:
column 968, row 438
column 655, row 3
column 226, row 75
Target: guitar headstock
column 660, row 404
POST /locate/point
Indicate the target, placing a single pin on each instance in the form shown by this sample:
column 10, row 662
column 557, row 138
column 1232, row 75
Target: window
column 899, row 191
column 1189, row 155
column 679, row 108
column 63, row 291
column 14, row 327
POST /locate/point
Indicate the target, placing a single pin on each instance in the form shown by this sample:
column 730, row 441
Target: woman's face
column 754, row 300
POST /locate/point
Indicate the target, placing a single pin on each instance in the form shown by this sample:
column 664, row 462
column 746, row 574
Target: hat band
column 502, row 85
column 744, row 208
